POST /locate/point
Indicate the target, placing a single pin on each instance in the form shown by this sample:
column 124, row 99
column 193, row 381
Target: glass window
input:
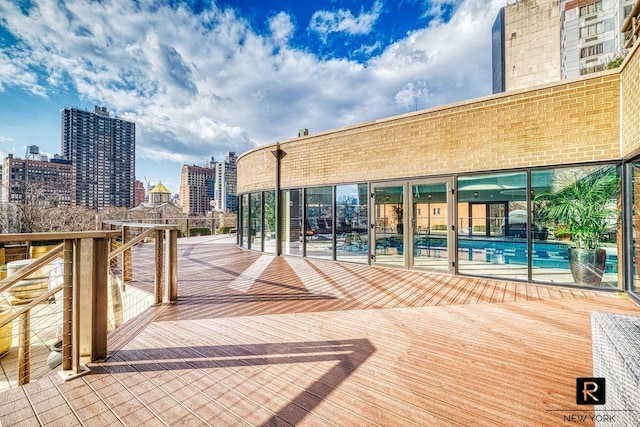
column 319, row 222
column 492, row 225
column 255, row 242
column 244, row 228
column 575, row 217
column 269, row 225
column 352, row 224
column 635, row 218
column 291, row 222
column 430, row 225
column 591, row 8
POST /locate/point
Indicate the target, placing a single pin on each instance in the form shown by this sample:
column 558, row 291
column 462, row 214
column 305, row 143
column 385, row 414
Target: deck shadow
column 349, row 355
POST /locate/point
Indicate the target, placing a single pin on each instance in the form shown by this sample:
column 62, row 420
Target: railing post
column 159, row 267
column 100, row 309
column 24, row 349
column 171, row 274
column 67, row 307
column 188, row 228
column 127, row 273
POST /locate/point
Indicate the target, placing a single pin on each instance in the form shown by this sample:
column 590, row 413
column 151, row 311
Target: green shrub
column 200, row 231
column 225, row 229
column 439, row 227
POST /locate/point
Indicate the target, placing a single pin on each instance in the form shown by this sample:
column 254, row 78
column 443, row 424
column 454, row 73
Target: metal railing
column 85, row 264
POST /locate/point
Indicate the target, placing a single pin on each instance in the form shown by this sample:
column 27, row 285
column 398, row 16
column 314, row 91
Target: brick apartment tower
column 197, row 189
column 102, row 150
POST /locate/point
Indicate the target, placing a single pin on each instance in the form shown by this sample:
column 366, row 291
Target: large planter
column 31, row 286
column 587, row 265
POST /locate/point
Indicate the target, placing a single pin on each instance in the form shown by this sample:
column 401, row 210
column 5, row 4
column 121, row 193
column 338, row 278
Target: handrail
column 130, row 243
column 85, row 276
column 58, row 235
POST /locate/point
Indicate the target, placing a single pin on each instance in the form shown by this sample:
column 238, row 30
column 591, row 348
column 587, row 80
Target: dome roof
column 160, row 189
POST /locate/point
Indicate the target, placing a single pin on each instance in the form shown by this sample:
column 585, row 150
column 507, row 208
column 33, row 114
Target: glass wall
column 269, row 224
column 244, row 225
column 576, row 213
column 319, row 222
column 430, row 226
column 352, row 224
column 635, row 220
column 556, row 225
column 291, row 222
column 492, row 225
column 388, row 214
column 255, row 213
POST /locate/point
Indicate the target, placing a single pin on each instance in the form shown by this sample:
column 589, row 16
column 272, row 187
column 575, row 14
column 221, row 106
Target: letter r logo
column 590, row 391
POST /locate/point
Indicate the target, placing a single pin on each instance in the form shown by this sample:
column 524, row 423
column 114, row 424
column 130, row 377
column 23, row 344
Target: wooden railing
column 166, row 254
column 86, row 260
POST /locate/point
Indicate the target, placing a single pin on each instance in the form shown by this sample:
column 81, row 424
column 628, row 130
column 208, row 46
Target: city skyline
column 199, row 81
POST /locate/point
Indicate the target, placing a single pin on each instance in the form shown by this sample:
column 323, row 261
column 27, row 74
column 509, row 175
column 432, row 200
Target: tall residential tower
column 102, row 150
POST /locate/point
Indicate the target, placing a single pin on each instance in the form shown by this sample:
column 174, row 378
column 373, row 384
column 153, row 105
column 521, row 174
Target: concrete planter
column 6, row 330
column 30, row 287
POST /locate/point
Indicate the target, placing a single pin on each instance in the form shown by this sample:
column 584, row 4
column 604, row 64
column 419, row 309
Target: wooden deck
column 262, row 340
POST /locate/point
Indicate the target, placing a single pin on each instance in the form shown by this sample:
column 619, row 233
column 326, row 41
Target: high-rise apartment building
column 526, row 45
column 212, row 186
column 541, row 41
column 197, row 189
column 591, row 34
column 51, row 179
column 102, row 150
column 227, row 183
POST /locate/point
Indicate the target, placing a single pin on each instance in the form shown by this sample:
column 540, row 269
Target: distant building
column 159, row 194
column 197, row 189
column 212, row 186
column 54, row 178
column 159, row 205
column 536, row 42
column 591, row 34
column 102, row 150
column 227, row 184
column 139, row 192
column 526, row 45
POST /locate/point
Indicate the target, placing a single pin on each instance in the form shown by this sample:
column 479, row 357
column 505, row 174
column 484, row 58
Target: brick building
column 458, row 188
column 54, row 178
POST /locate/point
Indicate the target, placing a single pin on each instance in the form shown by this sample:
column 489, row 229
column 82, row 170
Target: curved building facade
column 467, row 188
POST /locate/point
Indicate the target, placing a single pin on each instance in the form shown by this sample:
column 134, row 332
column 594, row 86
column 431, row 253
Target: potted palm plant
column 584, row 208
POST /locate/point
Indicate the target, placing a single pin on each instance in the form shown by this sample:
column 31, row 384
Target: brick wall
column 630, row 88
column 568, row 122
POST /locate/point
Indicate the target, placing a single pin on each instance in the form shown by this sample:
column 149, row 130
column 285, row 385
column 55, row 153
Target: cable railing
column 56, row 310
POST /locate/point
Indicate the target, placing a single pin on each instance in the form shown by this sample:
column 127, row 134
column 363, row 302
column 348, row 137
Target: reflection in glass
column 255, row 241
column 291, row 222
column 635, row 219
column 319, row 223
column 492, row 225
column 389, row 225
column 269, row 225
column 430, row 242
column 352, row 223
column 244, row 229
column 575, row 214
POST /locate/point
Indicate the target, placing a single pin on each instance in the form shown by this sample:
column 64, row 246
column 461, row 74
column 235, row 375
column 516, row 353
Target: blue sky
column 200, row 78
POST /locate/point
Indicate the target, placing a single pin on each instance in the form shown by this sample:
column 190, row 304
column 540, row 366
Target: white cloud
column 201, row 85
column 342, row 21
column 281, row 28
column 411, row 93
